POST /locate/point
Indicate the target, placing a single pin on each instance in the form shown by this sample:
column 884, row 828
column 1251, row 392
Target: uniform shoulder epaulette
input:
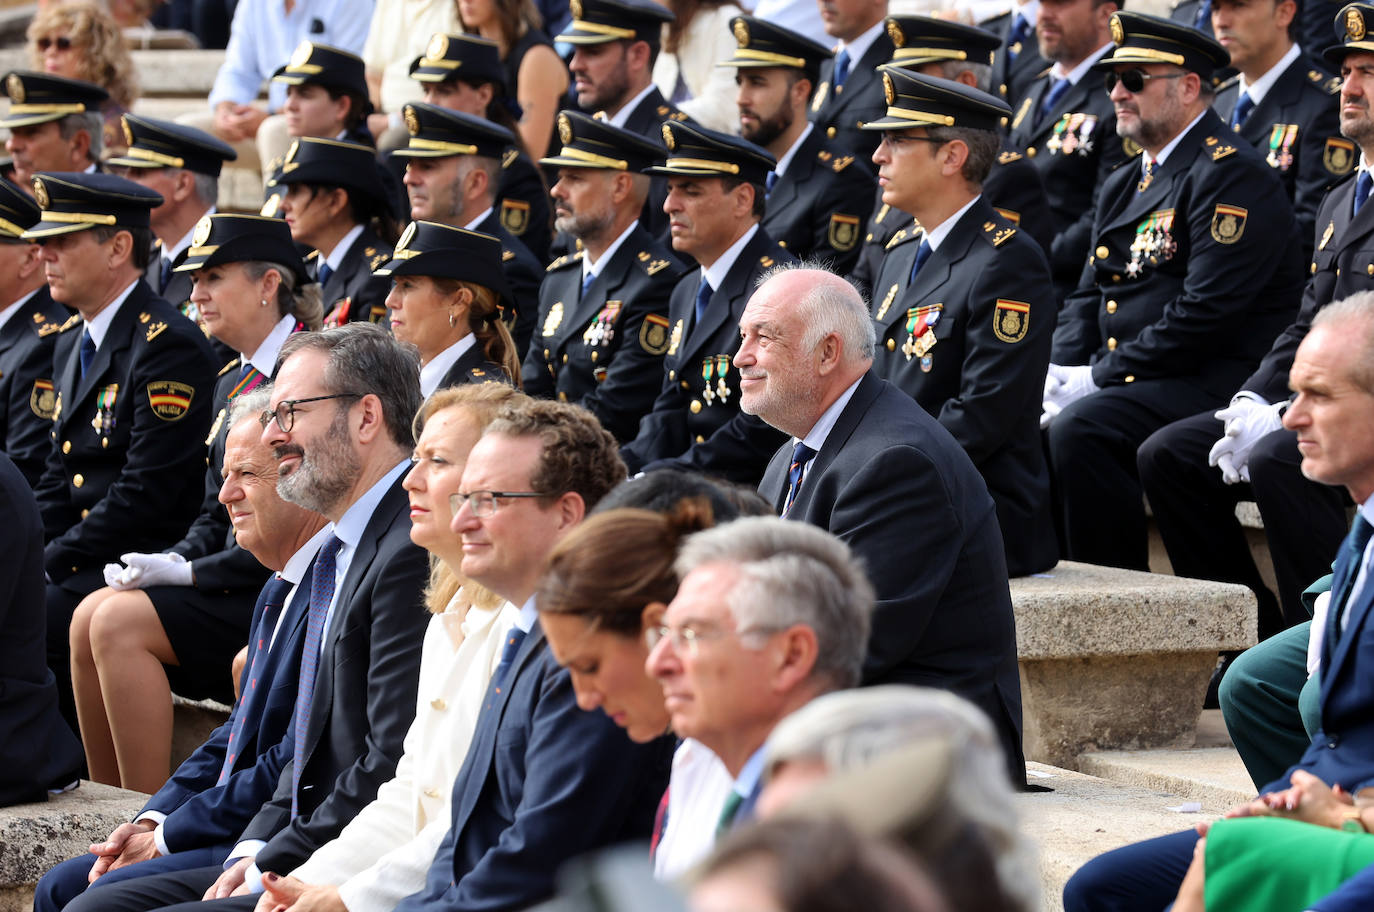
column 311, row 255
column 1226, row 84
column 1217, row 148
column 1044, row 72
column 651, row 264
column 998, row 231
column 71, row 321
column 901, row 235
column 663, row 110
column 1325, row 81
column 1007, row 157
column 679, row 116
column 507, row 256
column 477, row 375
column 842, row 162
column 509, row 158
column 233, row 363
column 378, row 260
column 562, row 261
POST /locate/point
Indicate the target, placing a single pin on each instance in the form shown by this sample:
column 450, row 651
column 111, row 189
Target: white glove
column 1065, row 386
column 144, row 570
column 1246, row 421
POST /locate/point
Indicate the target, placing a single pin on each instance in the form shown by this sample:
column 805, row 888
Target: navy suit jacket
column 200, row 811
column 543, row 782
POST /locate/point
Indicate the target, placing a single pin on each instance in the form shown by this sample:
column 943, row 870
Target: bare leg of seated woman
column 90, row 703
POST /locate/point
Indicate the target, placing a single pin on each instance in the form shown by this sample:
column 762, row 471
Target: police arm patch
column 170, row 399
column 653, row 334
column 1228, row 223
column 1010, row 320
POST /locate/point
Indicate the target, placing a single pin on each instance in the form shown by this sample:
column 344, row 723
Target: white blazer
column 707, row 42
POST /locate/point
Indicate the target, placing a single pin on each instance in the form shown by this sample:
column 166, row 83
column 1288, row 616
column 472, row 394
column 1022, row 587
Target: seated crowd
column 574, row 451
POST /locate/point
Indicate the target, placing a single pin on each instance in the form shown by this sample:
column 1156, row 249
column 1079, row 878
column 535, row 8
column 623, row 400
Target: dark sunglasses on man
column 1133, row 80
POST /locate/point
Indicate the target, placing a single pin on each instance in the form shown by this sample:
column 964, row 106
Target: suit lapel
column 721, row 306
column 845, row 425
column 117, row 337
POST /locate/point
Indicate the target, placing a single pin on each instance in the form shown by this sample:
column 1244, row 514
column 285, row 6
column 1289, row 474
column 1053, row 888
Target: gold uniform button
column 78, row 480
column 565, row 358
column 700, row 439
column 433, row 792
column 1111, row 345
column 1370, row 269
column 562, row 396
column 546, row 354
column 1116, row 278
column 1102, row 253
column 1338, row 270
column 695, row 406
column 685, row 384
column 439, row 703
column 66, row 446
column 1111, row 307
column 1314, row 268
column 1030, row 153
column 891, row 344
column 782, row 244
column 672, row 375
column 595, row 355
column 830, row 132
column 1130, row 378
column 85, row 513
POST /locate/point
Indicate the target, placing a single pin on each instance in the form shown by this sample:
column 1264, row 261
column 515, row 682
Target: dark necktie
column 1348, row 562
column 271, row 599
column 801, row 455
column 1056, row 92
column 325, row 272
column 704, row 298
column 321, row 594
column 1363, row 183
column 514, row 637
column 769, row 183
column 1016, row 41
column 1244, row 105
column 1203, row 21
column 586, row 283
column 922, row 254
column 165, row 277
column 728, row 812
column 87, row 352
column 841, row 68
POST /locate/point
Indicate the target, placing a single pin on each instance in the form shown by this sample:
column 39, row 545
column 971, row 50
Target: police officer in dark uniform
column 1282, row 105
column 603, row 311
column 336, row 205
column 715, row 203
column 30, row 323
column 847, row 96
column 967, row 310
column 1017, row 61
column 1193, row 273
column 818, row 194
column 453, row 174
column 952, row 50
column 55, row 124
column 133, row 383
column 1195, row 470
column 1066, row 126
column 453, row 64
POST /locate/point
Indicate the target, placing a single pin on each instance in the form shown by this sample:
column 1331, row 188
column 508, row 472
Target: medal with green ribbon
column 707, row 366
column 722, row 368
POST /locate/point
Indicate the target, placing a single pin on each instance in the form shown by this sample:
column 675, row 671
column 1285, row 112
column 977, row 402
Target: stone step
column 182, row 73
column 1083, row 816
column 1212, row 775
column 192, row 723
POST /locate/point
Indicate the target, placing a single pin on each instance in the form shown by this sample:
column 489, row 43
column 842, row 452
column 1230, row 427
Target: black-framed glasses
column 484, row 503
column 62, row 41
column 1134, row 79
column 285, row 412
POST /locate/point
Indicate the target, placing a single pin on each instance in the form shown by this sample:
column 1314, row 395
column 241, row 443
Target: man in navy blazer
column 543, row 780
column 869, row 465
column 1331, row 415
column 192, row 820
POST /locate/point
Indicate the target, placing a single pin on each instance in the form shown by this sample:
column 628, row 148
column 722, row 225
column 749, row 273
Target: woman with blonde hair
column 686, row 71
column 81, row 41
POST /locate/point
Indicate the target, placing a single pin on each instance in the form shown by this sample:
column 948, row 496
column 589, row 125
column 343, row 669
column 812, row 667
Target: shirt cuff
column 160, row 840
column 155, row 816
column 248, row 848
column 1253, row 397
column 252, row 879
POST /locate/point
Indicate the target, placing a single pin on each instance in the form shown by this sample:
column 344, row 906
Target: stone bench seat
column 1118, row 659
column 192, row 723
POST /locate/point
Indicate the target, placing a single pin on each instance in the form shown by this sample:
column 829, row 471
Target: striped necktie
column 801, row 455
column 321, row 594
column 271, row 599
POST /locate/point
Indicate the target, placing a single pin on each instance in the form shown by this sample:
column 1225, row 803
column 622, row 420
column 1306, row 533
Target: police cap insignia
column 438, row 47
column 14, row 87
column 742, row 32
column 40, row 194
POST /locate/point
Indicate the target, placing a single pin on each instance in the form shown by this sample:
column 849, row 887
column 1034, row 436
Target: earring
column 264, row 302
column 452, row 320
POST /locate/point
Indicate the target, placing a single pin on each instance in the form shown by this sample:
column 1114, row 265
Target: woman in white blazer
column 692, row 46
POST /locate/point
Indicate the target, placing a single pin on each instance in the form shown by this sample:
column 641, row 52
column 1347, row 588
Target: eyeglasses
column 62, row 41
column 285, row 412
column 897, row 140
column 687, row 639
column 483, row 503
column 1133, row 80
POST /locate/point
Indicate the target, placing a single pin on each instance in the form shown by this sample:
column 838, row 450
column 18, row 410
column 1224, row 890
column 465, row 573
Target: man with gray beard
column 339, row 426
column 602, row 327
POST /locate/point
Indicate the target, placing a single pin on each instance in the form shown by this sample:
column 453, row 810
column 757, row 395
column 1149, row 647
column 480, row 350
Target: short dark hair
column 357, row 106
column 142, row 253
column 730, row 182
column 661, row 489
column 364, row 358
column 579, row 455
column 982, row 150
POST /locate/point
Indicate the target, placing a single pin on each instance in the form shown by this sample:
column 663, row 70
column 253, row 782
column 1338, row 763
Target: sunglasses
column 1133, row 80
column 63, row 43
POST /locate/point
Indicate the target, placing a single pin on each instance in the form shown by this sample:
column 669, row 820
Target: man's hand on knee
column 228, row 883
column 115, row 844
column 1245, row 421
column 139, row 847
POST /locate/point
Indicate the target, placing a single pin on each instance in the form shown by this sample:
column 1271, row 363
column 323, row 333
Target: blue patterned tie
column 922, row 254
column 321, row 594
column 1016, row 41
column 87, row 352
column 514, row 637
column 271, row 599
column 325, row 273
column 801, row 455
column 1348, row 562
column 703, row 298
column 1362, row 186
column 841, row 68
column 1056, row 92
column 1244, row 105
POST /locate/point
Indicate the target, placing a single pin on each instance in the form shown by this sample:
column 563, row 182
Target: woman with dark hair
column 446, row 298
column 535, row 74
column 335, row 204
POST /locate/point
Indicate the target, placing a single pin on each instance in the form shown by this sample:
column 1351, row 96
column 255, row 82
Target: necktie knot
column 1244, row 105
column 922, row 254
column 1056, row 91
column 1149, row 167
column 728, row 812
column 325, row 272
column 841, row 68
column 703, row 298
column 587, row 282
column 87, row 352
column 164, row 276
column 1363, row 184
column 1203, row 20
column 801, row 455
column 770, row 182
column 1020, row 31
column 274, row 593
column 514, row 637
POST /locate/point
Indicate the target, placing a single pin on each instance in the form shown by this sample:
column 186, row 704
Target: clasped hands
column 1246, row 420
column 140, row 571
column 1063, row 387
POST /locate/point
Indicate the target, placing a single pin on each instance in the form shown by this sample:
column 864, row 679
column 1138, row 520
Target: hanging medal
column 722, row 368
column 920, row 323
column 707, row 393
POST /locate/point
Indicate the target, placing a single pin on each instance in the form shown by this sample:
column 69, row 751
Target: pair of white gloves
column 139, row 571
column 1063, row 387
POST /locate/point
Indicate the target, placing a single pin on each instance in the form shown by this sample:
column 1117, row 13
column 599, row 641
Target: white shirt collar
column 936, row 236
column 353, row 523
column 14, row 308
column 618, row 119
column 170, row 254
column 265, row 358
column 340, row 250
column 528, row 615
column 432, row 374
column 594, row 269
column 816, row 437
column 1167, row 150
column 472, row 225
column 716, row 272
column 1030, row 11
column 1057, row 71
column 781, row 167
column 298, row 563
column 1261, row 86
column 99, row 326
column 859, row 46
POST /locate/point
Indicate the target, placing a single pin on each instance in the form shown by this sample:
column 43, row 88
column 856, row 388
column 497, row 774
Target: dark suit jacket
column 352, row 293
column 1011, row 78
column 523, row 273
column 1342, row 264
column 133, row 481
column 1211, row 289
column 200, row 811
column 37, row 749
column 818, row 207
column 839, row 113
column 687, row 428
column 898, row 489
column 364, row 697
column 605, row 351
column 27, row 397
column 543, row 782
column 983, row 372
column 473, row 367
column 1296, row 128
